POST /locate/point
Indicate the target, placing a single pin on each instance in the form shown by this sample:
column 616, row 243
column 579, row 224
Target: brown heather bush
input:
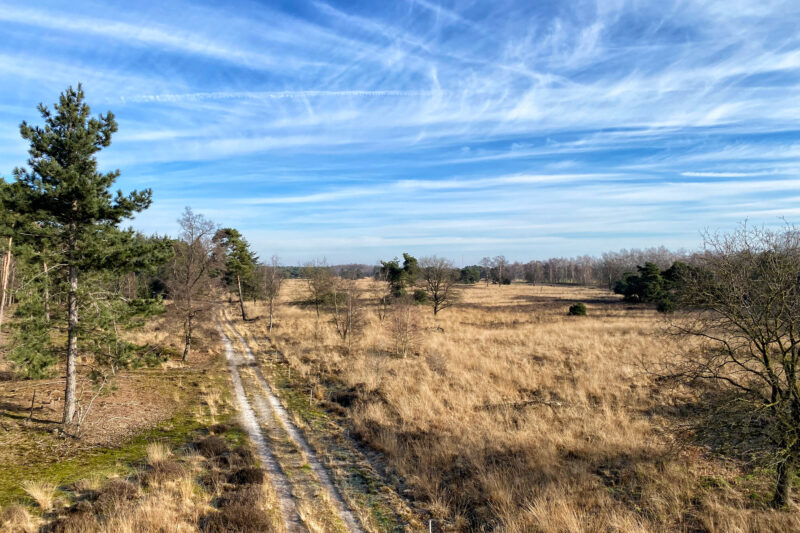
column 243, row 457
column 240, row 510
column 236, row 518
column 162, row 472
column 80, row 519
column 116, row 494
column 212, row 446
column 510, row 415
column 247, row 476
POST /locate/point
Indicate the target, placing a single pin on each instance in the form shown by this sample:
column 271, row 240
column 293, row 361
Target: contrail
column 268, row 95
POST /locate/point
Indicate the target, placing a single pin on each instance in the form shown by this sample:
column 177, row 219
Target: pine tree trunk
column 72, row 347
column 187, row 330
column 241, row 299
column 12, row 274
column 6, row 268
column 783, row 488
column 46, row 294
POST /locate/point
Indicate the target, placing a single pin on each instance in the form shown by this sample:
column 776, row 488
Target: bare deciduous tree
column 403, row 326
column 319, row 277
column 348, row 309
column 190, row 270
column 500, row 269
column 487, row 265
column 743, row 302
column 439, row 277
column 272, row 278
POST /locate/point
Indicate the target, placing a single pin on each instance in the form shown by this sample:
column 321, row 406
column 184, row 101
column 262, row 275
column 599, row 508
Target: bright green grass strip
column 121, row 460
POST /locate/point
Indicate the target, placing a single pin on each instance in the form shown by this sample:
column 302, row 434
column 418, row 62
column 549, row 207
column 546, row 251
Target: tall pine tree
column 10, row 220
column 240, row 262
column 72, row 201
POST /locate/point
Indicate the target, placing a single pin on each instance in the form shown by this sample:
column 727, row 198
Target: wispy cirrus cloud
column 148, row 35
column 318, row 127
column 268, row 95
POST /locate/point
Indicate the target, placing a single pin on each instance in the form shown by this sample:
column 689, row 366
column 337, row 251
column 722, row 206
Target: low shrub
column 247, row 476
column 212, row 446
column 666, row 306
column 78, row 520
column 161, row 472
column 220, row 428
column 246, row 495
column 578, row 309
column 115, row 494
column 420, row 296
column 16, row 518
column 243, row 457
column 236, row 518
column 213, row 481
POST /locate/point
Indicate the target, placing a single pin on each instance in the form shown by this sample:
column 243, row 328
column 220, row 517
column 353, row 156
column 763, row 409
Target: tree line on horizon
column 602, row 271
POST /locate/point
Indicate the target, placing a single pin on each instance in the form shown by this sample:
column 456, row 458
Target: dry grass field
column 510, row 415
column 506, row 414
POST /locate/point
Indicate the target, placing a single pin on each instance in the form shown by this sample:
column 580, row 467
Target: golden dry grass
column 17, row 519
column 157, row 452
column 42, row 493
column 513, row 415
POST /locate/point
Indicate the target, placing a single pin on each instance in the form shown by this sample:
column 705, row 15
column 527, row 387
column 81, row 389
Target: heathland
column 505, row 413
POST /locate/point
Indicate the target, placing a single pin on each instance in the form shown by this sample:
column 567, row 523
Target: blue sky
column 358, row 130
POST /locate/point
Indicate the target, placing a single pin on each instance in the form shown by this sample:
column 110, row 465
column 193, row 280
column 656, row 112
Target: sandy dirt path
column 279, row 481
column 268, row 406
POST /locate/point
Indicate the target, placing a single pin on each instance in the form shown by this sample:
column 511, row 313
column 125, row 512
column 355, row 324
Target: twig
column 84, row 414
column 33, row 399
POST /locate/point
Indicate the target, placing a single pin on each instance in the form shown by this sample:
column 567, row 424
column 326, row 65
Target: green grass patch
column 121, row 460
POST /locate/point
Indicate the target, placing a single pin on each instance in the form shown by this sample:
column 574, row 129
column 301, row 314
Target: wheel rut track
column 280, row 482
column 279, row 411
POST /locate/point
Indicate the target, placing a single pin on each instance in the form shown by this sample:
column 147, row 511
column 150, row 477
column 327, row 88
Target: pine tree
column 240, row 262
column 72, row 202
column 30, row 334
column 10, row 219
column 399, row 278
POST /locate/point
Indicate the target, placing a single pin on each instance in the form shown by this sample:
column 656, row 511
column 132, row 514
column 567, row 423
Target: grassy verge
column 357, row 479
